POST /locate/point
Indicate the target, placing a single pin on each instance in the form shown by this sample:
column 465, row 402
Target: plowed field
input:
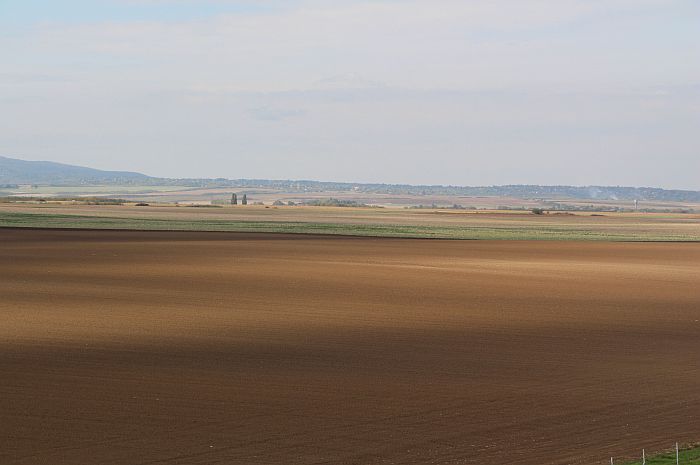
column 123, row 347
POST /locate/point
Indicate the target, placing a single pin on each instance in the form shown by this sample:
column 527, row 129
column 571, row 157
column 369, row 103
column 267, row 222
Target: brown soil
column 204, row 348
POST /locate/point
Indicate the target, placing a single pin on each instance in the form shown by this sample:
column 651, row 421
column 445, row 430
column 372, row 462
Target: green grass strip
column 687, row 456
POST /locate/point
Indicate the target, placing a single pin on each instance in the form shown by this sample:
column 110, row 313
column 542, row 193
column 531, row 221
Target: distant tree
column 277, row 203
column 291, row 204
column 537, row 211
column 234, row 199
column 244, row 200
column 331, row 202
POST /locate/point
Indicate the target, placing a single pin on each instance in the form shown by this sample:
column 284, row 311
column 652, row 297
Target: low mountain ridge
column 15, row 171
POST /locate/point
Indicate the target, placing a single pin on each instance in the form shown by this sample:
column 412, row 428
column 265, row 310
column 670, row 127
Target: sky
column 460, row 92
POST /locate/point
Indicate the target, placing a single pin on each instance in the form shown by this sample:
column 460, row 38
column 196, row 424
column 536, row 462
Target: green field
column 687, row 456
column 517, row 231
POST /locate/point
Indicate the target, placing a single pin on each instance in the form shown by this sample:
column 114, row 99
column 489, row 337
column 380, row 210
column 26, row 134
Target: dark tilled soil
column 206, row 348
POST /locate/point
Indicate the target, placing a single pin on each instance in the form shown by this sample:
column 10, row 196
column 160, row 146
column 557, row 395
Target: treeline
column 559, row 207
column 331, row 202
column 434, row 206
column 520, row 191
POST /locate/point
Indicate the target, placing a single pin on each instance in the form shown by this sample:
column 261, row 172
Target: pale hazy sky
column 470, row 92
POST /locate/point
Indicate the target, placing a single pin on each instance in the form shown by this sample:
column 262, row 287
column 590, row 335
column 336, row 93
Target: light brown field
column 218, row 348
column 642, row 225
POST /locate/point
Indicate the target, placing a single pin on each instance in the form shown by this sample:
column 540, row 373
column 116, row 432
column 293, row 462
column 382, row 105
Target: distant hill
column 15, row 171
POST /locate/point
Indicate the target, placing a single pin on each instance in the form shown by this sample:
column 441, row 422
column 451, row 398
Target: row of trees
column 234, row 199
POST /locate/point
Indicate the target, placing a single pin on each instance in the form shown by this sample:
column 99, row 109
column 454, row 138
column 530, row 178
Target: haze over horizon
column 570, row 92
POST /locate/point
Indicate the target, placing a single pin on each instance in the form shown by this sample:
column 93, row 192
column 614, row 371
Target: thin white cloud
column 453, row 44
column 463, row 92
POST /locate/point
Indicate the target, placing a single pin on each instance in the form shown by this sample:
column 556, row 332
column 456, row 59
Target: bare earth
column 219, row 348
